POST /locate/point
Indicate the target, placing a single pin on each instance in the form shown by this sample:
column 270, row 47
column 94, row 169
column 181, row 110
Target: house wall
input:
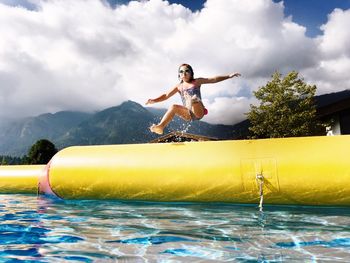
column 344, row 120
column 336, row 128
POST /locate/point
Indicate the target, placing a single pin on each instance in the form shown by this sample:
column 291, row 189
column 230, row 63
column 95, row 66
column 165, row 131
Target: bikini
column 190, row 96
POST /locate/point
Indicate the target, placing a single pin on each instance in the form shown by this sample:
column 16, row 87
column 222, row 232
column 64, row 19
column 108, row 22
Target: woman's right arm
column 164, row 96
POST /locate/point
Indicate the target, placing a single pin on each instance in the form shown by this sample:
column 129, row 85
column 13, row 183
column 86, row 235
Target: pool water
column 37, row 229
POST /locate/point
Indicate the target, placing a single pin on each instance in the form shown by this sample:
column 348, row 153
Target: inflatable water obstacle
column 293, row 171
column 20, row 179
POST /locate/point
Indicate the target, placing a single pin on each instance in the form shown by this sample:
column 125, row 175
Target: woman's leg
column 198, row 109
column 178, row 110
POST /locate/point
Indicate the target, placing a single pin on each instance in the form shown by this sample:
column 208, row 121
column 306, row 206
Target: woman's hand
column 150, row 101
column 236, row 74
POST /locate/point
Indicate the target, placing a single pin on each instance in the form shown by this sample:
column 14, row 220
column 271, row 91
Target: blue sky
column 310, row 13
column 88, row 55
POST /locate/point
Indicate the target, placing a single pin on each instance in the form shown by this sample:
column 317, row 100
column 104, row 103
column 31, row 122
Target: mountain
column 126, row 123
column 129, row 123
column 17, row 137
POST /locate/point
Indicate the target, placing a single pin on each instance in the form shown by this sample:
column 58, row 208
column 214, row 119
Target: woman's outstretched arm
column 163, row 97
column 217, row 78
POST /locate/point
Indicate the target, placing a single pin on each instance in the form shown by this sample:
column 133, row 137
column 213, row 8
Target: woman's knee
column 174, row 108
column 181, row 111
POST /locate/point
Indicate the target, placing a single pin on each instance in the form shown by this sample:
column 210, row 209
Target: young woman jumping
column 189, row 90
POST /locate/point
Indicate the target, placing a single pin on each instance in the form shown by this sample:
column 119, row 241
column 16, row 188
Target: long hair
column 189, row 68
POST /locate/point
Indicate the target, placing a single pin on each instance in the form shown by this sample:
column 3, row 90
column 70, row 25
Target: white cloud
column 336, row 40
column 227, row 110
column 332, row 70
column 84, row 55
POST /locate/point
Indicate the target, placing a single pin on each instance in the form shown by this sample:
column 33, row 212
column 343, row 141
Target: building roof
column 176, row 136
column 331, row 103
column 331, row 98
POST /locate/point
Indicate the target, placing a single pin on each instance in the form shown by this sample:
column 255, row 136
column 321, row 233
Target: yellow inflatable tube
column 306, row 171
column 20, row 179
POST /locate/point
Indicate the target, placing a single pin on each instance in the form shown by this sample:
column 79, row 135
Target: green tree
column 287, row 109
column 41, row 152
column 4, row 161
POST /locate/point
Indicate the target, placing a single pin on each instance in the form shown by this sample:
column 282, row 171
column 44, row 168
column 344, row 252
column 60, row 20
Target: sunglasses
column 184, row 71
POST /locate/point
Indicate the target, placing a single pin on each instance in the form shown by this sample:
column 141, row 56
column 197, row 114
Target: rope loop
column 260, row 180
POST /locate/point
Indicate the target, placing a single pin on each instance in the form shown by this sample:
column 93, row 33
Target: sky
column 87, row 55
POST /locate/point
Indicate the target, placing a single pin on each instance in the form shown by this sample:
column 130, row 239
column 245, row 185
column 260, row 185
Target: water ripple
column 154, row 240
column 37, row 229
column 338, row 242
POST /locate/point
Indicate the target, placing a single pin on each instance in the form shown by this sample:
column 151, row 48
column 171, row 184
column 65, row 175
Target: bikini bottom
column 193, row 116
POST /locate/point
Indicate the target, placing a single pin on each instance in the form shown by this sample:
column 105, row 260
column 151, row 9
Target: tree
column 9, row 160
column 41, row 152
column 287, row 109
column 4, row 161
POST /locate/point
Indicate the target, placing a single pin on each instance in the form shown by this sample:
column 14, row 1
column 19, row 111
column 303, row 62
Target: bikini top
column 193, row 92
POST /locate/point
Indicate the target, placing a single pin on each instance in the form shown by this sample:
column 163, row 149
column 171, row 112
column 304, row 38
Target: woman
column 189, row 90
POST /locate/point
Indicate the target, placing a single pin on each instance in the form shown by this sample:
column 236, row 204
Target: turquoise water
column 36, row 229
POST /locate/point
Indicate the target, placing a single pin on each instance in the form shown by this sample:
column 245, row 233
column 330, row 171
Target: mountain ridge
column 126, row 123
column 123, row 124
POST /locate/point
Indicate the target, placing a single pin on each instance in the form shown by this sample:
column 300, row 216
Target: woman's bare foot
column 156, row 129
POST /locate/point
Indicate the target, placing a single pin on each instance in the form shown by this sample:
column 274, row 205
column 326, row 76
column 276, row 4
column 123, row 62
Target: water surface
column 37, row 229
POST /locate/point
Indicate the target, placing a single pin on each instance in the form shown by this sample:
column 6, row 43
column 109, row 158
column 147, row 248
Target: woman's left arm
column 216, row 79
